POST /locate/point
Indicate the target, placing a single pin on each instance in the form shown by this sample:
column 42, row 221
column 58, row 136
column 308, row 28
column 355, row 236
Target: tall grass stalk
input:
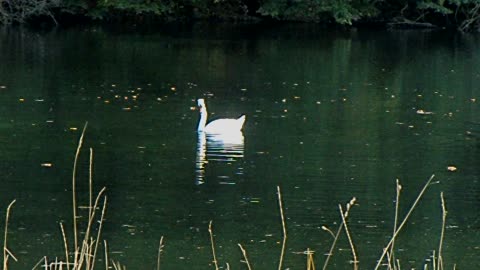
column 334, row 243
column 215, row 263
column 310, row 262
column 442, row 234
column 90, row 183
column 344, row 216
column 74, row 199
column 65, row 245
column 160, row 249
column 284, row 227
column 391, row 257
column 99, row 232
column 84, row 250
column 6, row 252
column 244, row 252
column 335, row 236
column 419, row 196
column 106, row 253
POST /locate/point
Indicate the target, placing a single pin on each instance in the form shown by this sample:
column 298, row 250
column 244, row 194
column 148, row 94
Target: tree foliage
column 19, row 11
column 463, row 14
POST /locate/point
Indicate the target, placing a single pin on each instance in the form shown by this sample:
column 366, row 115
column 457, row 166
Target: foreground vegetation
column 460, row 14
column 83, row 254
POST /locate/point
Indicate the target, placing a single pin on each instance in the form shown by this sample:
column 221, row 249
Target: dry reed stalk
column 310, row 262
column 395, row 223
column 88, row 254
column 335, row 238
column 65, row 245
column 38, row 263
column 344, row 221
column 244, row 252
column 99, row 231
column 115, row 266
column 87, row 243
column 389, row 261
column 10, row 255
column 160, row 248
column 118, row 266
column 92, row 217
column 5, row 249
column 385, row 250
column 90, row 182
column 442, row 235
column 81, row 256
column 74, row 200
column 106, row 254
column 213, row 245
column 284, row 227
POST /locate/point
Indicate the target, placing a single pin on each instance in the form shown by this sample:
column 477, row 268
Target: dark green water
column 330, row 116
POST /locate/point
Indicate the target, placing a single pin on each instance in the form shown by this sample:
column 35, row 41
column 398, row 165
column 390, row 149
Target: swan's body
column 219, row 126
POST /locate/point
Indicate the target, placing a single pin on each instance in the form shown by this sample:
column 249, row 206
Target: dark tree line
column 461, row 14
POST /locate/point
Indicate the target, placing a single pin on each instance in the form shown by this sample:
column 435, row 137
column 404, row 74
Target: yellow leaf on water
column 451, row 168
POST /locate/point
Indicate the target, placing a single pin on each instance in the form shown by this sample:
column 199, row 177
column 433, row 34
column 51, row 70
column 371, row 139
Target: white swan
column 219, row 126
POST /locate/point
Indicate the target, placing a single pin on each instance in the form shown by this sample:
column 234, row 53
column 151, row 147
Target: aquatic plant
column 83, row 254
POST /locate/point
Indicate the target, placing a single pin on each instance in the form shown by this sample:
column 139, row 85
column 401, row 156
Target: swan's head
column 201, row 102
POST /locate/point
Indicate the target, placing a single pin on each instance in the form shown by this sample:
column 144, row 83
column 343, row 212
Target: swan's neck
column 203, row 119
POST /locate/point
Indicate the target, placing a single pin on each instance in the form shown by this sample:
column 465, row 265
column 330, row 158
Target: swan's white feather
column 225, row 125
column 219, row 126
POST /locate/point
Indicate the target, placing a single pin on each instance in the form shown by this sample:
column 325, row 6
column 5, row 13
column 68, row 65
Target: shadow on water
column 220, row 148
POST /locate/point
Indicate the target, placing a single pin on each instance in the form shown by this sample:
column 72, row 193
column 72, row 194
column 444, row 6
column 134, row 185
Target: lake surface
column 329, row 116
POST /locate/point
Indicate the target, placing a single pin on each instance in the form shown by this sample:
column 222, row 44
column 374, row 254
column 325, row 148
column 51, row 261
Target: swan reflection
column 224, row 147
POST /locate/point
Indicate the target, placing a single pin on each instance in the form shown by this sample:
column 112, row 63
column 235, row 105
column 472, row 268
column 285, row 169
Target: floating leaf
column 423, row 112
column 451, row 168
